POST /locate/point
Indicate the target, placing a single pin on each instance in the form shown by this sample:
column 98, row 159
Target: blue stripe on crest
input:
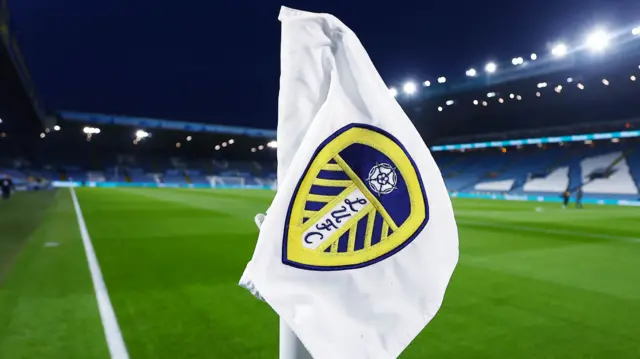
column 332, row 161
column 326, row 191
column 362, row 229
column 377, row 230
column 313, row 206
column 343, row 243
column 333, row 175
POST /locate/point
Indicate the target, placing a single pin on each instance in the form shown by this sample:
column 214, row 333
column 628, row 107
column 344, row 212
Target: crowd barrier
column 503, row 197
column 548, row 198
column 61, row 184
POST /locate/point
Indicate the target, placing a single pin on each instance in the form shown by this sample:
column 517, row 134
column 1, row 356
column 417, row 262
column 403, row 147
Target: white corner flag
column 360, row 241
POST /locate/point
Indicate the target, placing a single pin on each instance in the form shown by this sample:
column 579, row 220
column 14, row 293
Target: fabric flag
column 359, row 243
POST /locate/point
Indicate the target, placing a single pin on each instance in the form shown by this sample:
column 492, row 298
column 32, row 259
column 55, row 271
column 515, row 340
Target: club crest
column 359, row 201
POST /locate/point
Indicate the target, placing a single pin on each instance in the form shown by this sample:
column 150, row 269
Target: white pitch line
column 112, row 332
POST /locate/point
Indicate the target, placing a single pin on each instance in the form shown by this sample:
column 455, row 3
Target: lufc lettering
column 333, row 220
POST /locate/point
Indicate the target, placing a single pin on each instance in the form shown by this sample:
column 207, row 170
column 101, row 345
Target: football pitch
column 533, row 281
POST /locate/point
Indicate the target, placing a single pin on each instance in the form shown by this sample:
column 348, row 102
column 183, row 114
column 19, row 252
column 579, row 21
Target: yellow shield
column 359, row 201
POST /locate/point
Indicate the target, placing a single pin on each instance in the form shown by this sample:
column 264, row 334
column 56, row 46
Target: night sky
column 218, row 61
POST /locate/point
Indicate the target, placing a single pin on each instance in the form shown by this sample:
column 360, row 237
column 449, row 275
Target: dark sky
column 218, row 61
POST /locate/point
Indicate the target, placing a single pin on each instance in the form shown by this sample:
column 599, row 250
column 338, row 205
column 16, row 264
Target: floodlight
column 635, row 31
column 393, row 92
column 559, row 50
column 409, row 88
column 490, row 67
column 598, row 40
column 449, row 102
column 439, row 108
column 272, row 144
column 475, row 102
column 426, row 83
column 534, row 57
column 442, row 79
column 471, row 72
column 142, row 134
column 55, row 128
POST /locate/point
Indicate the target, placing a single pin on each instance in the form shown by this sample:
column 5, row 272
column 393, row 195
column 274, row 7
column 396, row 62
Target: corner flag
column 360, row 241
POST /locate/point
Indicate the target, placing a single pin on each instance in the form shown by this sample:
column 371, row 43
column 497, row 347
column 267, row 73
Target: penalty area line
column 112, row 332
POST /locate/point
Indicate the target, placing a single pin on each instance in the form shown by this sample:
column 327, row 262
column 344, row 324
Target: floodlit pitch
column 534, row 280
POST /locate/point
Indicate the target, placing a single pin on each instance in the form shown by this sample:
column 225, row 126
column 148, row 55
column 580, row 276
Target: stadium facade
column 527, row 132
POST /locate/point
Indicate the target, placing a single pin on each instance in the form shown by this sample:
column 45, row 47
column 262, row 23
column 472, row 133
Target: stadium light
column 0, row 120
column 409, row 88
column 517, row 61
column 580, row 86
column 140, row 134
column 178, row 144
column 605, row 82
column 440, row 108
column 635, row 31
column 475, row 102
column 426, row 83
column 393, row 92
column 491, row 94
column 55, row 128
column 597, row 41
column 569, row 80
column 500, row 100
column 442, row 79
column 542, row 85
column 47, row 130
column 253, row 149
column 558, row 89
column 559, row 50
column 231, row 141
column 471, row 72
column 518, row 97
column 91, row 130
column 272, row 144
column 42, row 135
column 511, row 95
column 484, row 103
column 224, row 144
column 261, row 147
column 189, row 138
column 534, row 57
column 449, row 102
column 633, row 78
column 538, row 94
column 490, row 67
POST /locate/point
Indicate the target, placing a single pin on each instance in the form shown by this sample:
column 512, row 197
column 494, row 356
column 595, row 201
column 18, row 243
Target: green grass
column 545, row 283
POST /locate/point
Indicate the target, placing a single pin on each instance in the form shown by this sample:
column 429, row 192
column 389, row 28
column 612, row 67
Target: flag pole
column 290, row 346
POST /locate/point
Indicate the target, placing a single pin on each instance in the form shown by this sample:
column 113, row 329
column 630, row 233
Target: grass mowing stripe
column 548, row 231
column 115, row 343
